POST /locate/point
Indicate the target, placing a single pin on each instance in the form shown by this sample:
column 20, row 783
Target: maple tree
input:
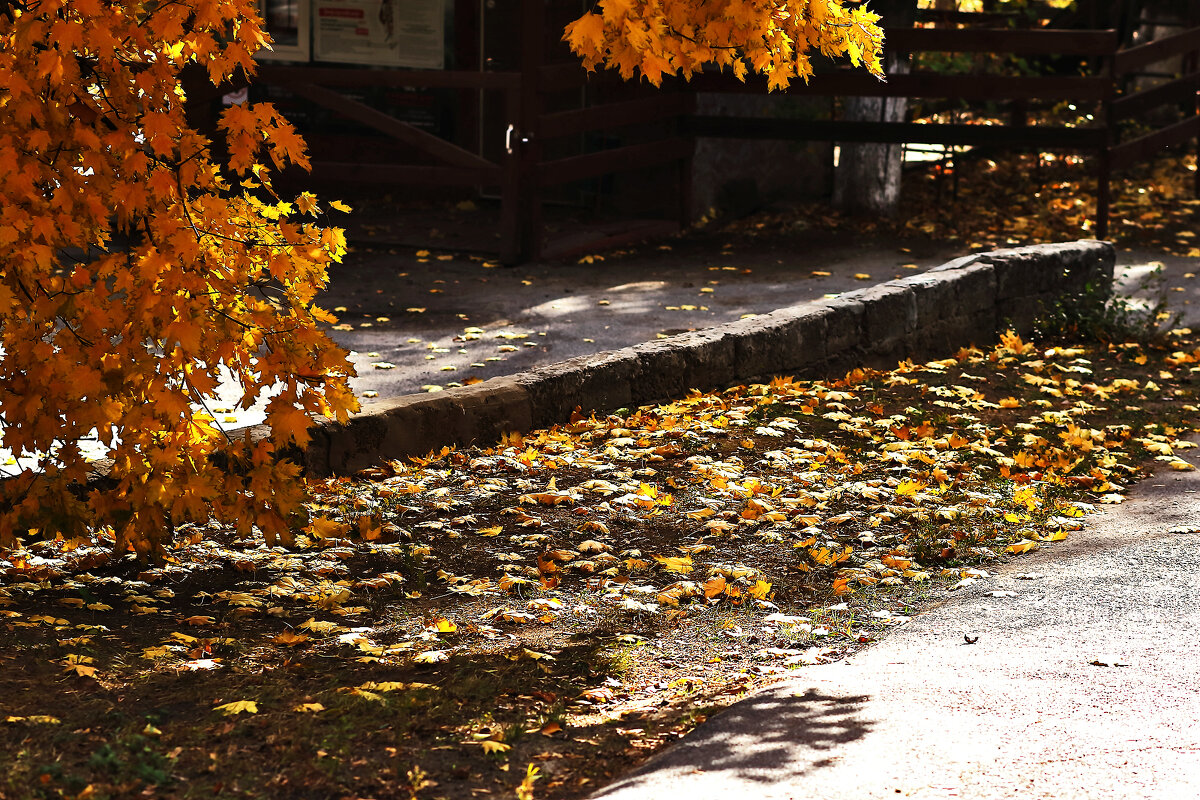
column 772, row 37
column 139, row 270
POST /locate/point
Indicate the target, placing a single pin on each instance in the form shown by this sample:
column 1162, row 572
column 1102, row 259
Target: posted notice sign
column 391, row 33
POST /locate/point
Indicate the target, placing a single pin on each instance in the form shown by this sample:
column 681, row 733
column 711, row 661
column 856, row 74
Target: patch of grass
column 131, row 759
column 1095, row 314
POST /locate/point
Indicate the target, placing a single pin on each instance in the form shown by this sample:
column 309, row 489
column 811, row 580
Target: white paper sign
column 393, row 33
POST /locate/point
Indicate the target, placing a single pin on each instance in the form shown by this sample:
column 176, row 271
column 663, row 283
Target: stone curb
column 969, row 300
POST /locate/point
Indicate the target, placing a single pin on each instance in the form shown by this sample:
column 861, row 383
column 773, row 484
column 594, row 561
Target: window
column 288, row 23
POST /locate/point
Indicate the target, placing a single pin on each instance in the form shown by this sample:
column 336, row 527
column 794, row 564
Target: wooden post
column 686, row 165
column 1103, row 189
column 533, row 57
column 1191, row 65
column 511, row 245
column 1104, row 167
column 468, row 25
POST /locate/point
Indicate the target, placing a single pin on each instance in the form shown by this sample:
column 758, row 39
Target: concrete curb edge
column 969, row 300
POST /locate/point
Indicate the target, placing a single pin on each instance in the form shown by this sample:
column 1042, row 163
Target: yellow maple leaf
column 760, row 589
column 508, row 582
column 524, row 790
column 290, row 639
column 319, row 626
column 309, row 707
column 290, row 423
column 238, row 707
column 682, row 565
column 383, row 686
column 82, row 670
column 325, row 528
column 156, row 653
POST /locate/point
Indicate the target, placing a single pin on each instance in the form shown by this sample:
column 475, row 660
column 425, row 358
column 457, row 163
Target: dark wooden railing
column 525, row 170
column 1113, row 67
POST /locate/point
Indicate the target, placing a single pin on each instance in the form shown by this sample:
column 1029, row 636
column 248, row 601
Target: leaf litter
column 985, row 200
column 572, row 599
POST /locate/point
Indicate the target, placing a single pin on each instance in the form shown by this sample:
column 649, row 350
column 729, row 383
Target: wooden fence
column 1102, row 89
column 528, row 165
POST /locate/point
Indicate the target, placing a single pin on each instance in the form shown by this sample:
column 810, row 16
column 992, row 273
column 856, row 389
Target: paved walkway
column 478, row 322
column 411, row 325
column 1084, row 683
column 417, row 326
column 471, row 321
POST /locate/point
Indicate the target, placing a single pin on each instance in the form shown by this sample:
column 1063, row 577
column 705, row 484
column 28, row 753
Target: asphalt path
column 413, row 325
column 1083, row 682
column 483, row 322
column 444, row 323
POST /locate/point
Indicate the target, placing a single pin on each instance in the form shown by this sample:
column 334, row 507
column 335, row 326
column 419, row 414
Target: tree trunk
column 867, row 179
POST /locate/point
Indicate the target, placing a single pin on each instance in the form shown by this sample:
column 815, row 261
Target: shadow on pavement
column 770, row 737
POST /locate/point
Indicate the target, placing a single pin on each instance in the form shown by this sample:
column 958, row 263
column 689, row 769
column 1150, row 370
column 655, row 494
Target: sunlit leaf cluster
column 1046, row 197
column 777, row 38
column 139, row 266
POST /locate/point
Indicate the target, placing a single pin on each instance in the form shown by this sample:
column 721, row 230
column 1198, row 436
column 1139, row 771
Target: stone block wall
column 967, row 301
